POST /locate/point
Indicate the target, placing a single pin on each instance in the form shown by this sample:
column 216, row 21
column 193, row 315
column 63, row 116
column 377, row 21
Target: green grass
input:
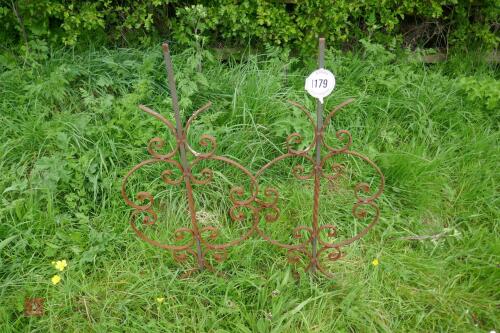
column 71, row 130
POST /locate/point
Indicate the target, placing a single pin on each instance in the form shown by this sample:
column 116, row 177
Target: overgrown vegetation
column 71, row 130
column 37, row 25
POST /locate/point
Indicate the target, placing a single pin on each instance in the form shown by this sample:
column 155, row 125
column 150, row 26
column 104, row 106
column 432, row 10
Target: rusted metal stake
column 181, row 139
column 317, row 166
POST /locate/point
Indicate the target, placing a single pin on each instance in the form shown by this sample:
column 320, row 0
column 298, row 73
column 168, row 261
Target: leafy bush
column 296, row 24
column 483, row 91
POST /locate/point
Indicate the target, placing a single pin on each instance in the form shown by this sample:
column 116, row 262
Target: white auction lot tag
column 320, row 83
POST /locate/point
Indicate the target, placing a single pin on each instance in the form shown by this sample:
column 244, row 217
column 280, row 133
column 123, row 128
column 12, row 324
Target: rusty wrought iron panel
column 262, row 202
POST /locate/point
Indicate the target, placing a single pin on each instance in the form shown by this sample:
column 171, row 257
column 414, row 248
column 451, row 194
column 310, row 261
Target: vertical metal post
column 317, row 166
column 182, row 149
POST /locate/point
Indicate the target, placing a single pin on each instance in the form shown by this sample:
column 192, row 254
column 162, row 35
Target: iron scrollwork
column 314, row 243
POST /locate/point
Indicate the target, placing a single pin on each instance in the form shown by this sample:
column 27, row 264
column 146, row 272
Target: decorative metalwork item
column 199, row 241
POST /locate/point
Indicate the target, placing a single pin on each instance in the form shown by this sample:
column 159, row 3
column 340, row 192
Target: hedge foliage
column 35, row 25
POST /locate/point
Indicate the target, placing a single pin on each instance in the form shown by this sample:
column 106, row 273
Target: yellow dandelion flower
column 56, row 279
column 160, row 300
column 375, row 262
column 60, row 265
